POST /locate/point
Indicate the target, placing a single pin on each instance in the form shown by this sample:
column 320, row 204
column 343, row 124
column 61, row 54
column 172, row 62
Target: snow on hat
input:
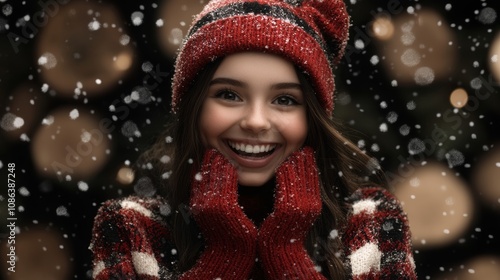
column 312, row 34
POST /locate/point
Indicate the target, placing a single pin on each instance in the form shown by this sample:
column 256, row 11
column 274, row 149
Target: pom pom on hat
column 312, row 34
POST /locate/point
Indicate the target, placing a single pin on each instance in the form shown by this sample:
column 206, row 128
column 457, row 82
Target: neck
column 257, row 202
column 269, row 185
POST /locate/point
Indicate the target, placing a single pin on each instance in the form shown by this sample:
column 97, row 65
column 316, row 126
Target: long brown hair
column 343, row 168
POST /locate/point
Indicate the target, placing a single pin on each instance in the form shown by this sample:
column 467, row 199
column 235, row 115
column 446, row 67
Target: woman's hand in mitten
column 230, row 236
column 297, row 205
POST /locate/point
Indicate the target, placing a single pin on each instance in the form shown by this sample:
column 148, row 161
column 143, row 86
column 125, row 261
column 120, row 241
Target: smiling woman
column 254, row 114
column 257, row 166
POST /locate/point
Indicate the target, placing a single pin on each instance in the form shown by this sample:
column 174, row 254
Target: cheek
column 294, row 130
column 212, row 124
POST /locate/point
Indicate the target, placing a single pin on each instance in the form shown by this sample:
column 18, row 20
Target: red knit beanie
column 312, row 34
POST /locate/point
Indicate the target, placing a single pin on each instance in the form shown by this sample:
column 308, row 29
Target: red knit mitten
column 296, row 207
column 230, row 236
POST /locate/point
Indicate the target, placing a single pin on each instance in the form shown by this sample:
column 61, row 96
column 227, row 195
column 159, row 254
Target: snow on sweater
column 131, row 239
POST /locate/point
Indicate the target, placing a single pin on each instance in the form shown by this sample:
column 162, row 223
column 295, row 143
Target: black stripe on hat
column 255, row 8
column 294, row 2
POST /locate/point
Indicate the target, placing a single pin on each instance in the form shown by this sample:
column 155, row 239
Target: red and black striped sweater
column 131, row 239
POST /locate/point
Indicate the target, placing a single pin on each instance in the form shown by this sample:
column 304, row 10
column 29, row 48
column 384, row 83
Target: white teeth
column 251, row 149
column 248, row 149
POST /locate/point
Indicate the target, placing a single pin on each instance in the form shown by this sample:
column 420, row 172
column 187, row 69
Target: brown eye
column 227, row 94
column 285, row 100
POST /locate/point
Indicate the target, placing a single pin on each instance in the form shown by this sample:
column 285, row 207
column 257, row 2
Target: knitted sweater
column 131, row 239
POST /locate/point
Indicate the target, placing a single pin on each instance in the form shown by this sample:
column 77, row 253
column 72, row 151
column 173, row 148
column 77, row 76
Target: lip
column 252, row 162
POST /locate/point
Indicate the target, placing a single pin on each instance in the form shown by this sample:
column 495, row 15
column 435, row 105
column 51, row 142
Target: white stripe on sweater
column 366, row 258
column 145, row 264
column 129, row 204
column 98, row 268
column 368, row 205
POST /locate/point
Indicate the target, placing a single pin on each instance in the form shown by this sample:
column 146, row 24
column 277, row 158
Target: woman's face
column 254, row 113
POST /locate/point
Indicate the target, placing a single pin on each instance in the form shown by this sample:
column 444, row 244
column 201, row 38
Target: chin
column 253, row 180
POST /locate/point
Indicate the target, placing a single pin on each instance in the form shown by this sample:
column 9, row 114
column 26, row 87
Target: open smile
column 251, row 150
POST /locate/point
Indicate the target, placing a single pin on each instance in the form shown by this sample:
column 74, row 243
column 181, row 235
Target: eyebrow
column 237, row 83
column 228, row 81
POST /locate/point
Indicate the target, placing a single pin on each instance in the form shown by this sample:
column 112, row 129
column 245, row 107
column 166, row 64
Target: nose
column 256, row 119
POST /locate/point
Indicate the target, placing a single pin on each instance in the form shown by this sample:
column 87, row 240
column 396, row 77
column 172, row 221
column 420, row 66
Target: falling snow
column 44, row 88
column 147, row 66
column 140, row 94
column 85, row 136
column 130, row 129
column 165, row 159
column 416, row 146
column 198, row 176
column 424, row 76
column 137, row 18
column 144, row 187
column 388, row 226
column 404, row 129
column 166, row 175
column 487, row 15
column 411, row 105
column 11, row 122
column 62, row 211
column 392, row 117
column 383, row 127
column 454, row 158
column 165, row 210
column 359, row 44
column 74, row 114
column 47, row 60
column 7, row 10
column 48, row 120
column 83, row 186
column 175, row 37
column 94, row 25
column 24, row 191
column 410, row 57
column 124, row 39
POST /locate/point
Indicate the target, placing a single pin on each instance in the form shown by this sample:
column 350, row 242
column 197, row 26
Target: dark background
column 63, row 211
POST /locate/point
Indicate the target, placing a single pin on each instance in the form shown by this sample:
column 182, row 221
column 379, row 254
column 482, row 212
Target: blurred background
column 85, row 85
